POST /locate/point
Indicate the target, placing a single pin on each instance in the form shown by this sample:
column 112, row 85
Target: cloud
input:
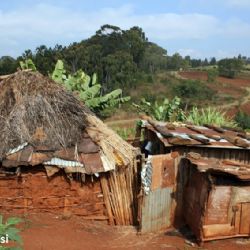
column 190, row 52
column 49, row 24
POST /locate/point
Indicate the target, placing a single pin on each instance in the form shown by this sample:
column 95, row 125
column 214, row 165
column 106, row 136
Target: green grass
column 210, row 115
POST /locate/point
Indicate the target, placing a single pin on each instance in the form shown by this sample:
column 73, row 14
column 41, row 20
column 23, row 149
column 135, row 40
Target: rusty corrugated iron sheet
column 156, row 209
column 200, row 136
column 158, row 180
column 235, row 168
column 85, row 157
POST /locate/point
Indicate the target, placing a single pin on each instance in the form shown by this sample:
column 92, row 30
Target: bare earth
column 51, row 232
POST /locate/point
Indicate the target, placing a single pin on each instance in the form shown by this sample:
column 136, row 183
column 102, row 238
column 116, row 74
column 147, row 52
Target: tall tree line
column 119, row 57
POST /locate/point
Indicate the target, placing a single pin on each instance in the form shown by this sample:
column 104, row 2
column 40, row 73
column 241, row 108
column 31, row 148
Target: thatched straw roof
column 42, row 123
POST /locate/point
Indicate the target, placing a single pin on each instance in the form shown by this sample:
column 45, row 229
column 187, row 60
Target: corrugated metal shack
column 57, row 156
column 209, row 141
column 167, row 145
column 216, row 197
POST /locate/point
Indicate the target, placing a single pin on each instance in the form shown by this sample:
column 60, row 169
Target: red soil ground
column 236, row 88
column 199, row 75
column 46, row 231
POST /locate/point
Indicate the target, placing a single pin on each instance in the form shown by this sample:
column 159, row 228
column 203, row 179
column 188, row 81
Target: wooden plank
column 245, row 218
column 105, row 190
column 217, row 230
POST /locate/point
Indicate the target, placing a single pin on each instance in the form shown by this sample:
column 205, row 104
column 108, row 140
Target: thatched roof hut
column 45, row 126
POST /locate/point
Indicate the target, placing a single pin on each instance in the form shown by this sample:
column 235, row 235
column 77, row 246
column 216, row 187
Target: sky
column 199, row 28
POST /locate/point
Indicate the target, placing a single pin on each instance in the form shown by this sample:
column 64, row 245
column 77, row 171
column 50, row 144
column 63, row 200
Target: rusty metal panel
column 156, row 210
column 245, row 218
column 218, row 205
column 157, row 171
column 92, row 162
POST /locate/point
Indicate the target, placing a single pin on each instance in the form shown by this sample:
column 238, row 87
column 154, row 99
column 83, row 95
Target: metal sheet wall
column 156, row 210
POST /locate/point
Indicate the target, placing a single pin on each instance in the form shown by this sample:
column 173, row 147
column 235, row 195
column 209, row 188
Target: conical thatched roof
column 38, row 116
column 29, row 101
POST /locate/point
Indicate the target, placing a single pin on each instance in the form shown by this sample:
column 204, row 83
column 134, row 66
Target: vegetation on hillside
column 119, row 57
column 126, row 62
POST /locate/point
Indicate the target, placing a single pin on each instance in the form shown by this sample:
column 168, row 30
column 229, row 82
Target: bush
column 212, row 75
column 193, row 89
column 230, row 67
column 243, row 120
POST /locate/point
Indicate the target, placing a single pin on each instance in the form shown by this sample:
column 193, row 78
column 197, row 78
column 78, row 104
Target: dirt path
column 45, row 231
column 243, row 85
column 245, row 99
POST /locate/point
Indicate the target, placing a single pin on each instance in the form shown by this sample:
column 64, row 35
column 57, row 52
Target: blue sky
column 199, row 28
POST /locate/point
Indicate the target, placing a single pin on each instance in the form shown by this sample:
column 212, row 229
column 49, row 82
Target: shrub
column 212, row 75
column 243, row 120
column 193, row 89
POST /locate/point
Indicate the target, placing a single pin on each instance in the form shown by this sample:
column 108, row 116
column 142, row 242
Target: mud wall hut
column 57, row 156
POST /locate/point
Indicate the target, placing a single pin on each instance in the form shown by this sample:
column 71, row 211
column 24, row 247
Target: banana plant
column 27, row 64
column 167, row 110
column 88, row 89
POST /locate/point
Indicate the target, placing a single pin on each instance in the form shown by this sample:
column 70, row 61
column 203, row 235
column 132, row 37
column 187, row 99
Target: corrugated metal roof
column 62, row 163
column 238, row 169
column 15, row 150
column 200, row 136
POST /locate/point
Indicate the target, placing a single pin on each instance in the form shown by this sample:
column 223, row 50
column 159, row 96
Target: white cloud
column 190, row 52
column 47, row 24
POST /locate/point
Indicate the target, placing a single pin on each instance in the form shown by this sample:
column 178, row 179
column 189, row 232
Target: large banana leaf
column 90, row 92
column 58, row 74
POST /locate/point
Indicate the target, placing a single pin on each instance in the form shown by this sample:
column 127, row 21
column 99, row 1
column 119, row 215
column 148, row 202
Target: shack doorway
column 158, row 183
column 244, row 218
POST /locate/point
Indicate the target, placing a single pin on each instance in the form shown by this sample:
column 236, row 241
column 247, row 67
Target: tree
column 155, row 58
column 175, row 62
column 118, row 69
column 8, row 65
column 136, row 43
column 212, row 61
column 230, row 67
